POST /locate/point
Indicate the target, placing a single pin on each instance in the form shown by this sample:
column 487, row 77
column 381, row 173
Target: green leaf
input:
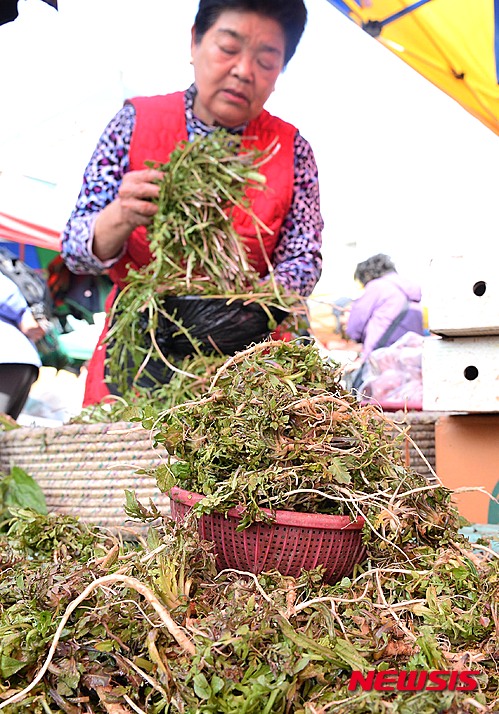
column 350, row 655
column 9, row 666
column 180, row 470
column 165, row 478
column 105, row 646
column 338, row 471
column 301, row 664
column 20, row 490
column 201, row 686
column 217, row 684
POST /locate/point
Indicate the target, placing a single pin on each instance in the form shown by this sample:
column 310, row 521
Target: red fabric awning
column 19, row 231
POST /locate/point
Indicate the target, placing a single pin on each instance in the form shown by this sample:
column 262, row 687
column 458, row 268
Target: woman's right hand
column 133, row 207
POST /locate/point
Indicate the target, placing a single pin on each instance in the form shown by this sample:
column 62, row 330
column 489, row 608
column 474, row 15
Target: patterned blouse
column 297, row 258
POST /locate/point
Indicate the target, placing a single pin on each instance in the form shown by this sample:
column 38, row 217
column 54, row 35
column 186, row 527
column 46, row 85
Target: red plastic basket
column 291, row 543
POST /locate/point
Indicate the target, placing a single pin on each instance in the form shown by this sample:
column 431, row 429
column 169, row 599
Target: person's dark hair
column 374, row 267
column 290, row 14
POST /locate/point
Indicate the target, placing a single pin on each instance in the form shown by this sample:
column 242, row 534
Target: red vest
column 159, row 127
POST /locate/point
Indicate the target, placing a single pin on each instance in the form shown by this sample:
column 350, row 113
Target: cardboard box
column 461, row 374
column 463, row 296
column 467, row 456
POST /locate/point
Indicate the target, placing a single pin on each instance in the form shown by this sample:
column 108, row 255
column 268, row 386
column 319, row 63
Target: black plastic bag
column 217, row 324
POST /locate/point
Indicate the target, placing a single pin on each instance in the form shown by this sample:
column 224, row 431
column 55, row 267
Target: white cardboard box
column 462, row 295
column 461, row 374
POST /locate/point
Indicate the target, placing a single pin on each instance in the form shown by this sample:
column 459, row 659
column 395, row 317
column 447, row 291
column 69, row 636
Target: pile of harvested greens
column 276, row 429
column 197, row 253
column 93, row 623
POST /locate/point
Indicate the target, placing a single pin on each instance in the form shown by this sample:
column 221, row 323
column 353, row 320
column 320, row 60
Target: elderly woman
column 389, row 307
column 239, row 48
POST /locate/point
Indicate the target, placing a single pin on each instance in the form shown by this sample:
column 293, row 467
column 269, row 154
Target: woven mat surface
column 419, row 448
column 84, row 470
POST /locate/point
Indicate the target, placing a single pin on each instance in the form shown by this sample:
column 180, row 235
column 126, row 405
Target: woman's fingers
column 136, row 194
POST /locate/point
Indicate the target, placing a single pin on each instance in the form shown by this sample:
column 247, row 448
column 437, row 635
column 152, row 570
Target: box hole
column 479, row 288
column 471, row 373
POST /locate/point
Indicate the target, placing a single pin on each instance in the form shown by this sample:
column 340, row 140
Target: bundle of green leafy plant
column 91, row 623
column 191, row 378
column 195, row 252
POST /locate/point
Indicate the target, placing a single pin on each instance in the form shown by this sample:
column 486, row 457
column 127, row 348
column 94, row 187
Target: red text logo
column 415, row 680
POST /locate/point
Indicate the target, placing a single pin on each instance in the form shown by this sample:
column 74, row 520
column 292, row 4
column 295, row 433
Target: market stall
column 245, row 536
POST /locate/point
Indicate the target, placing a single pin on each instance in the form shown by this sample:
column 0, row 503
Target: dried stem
column 392, row 612
column 172, row 627
column 239, row 356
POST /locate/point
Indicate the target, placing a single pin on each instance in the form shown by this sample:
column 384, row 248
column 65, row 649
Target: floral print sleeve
column 297, row 257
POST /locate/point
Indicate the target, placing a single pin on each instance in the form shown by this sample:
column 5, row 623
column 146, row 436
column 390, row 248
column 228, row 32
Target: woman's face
column 236, row 65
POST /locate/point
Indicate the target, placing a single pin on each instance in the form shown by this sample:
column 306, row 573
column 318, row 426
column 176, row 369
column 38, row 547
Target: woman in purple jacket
column 389, row 307
column 19, row 358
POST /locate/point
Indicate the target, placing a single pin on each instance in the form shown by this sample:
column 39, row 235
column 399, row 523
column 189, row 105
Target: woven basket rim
column 324, row 521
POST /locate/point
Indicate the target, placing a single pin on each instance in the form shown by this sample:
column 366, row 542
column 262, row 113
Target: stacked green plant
column 277, row 430
column 195, row 251
column 91, row 623
column 190, row 379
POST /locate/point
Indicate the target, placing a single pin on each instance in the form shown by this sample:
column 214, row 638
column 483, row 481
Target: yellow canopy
column 453, row 43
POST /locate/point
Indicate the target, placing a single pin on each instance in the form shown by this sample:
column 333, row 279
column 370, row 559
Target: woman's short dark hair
column 374, row 267
column 290, row 14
